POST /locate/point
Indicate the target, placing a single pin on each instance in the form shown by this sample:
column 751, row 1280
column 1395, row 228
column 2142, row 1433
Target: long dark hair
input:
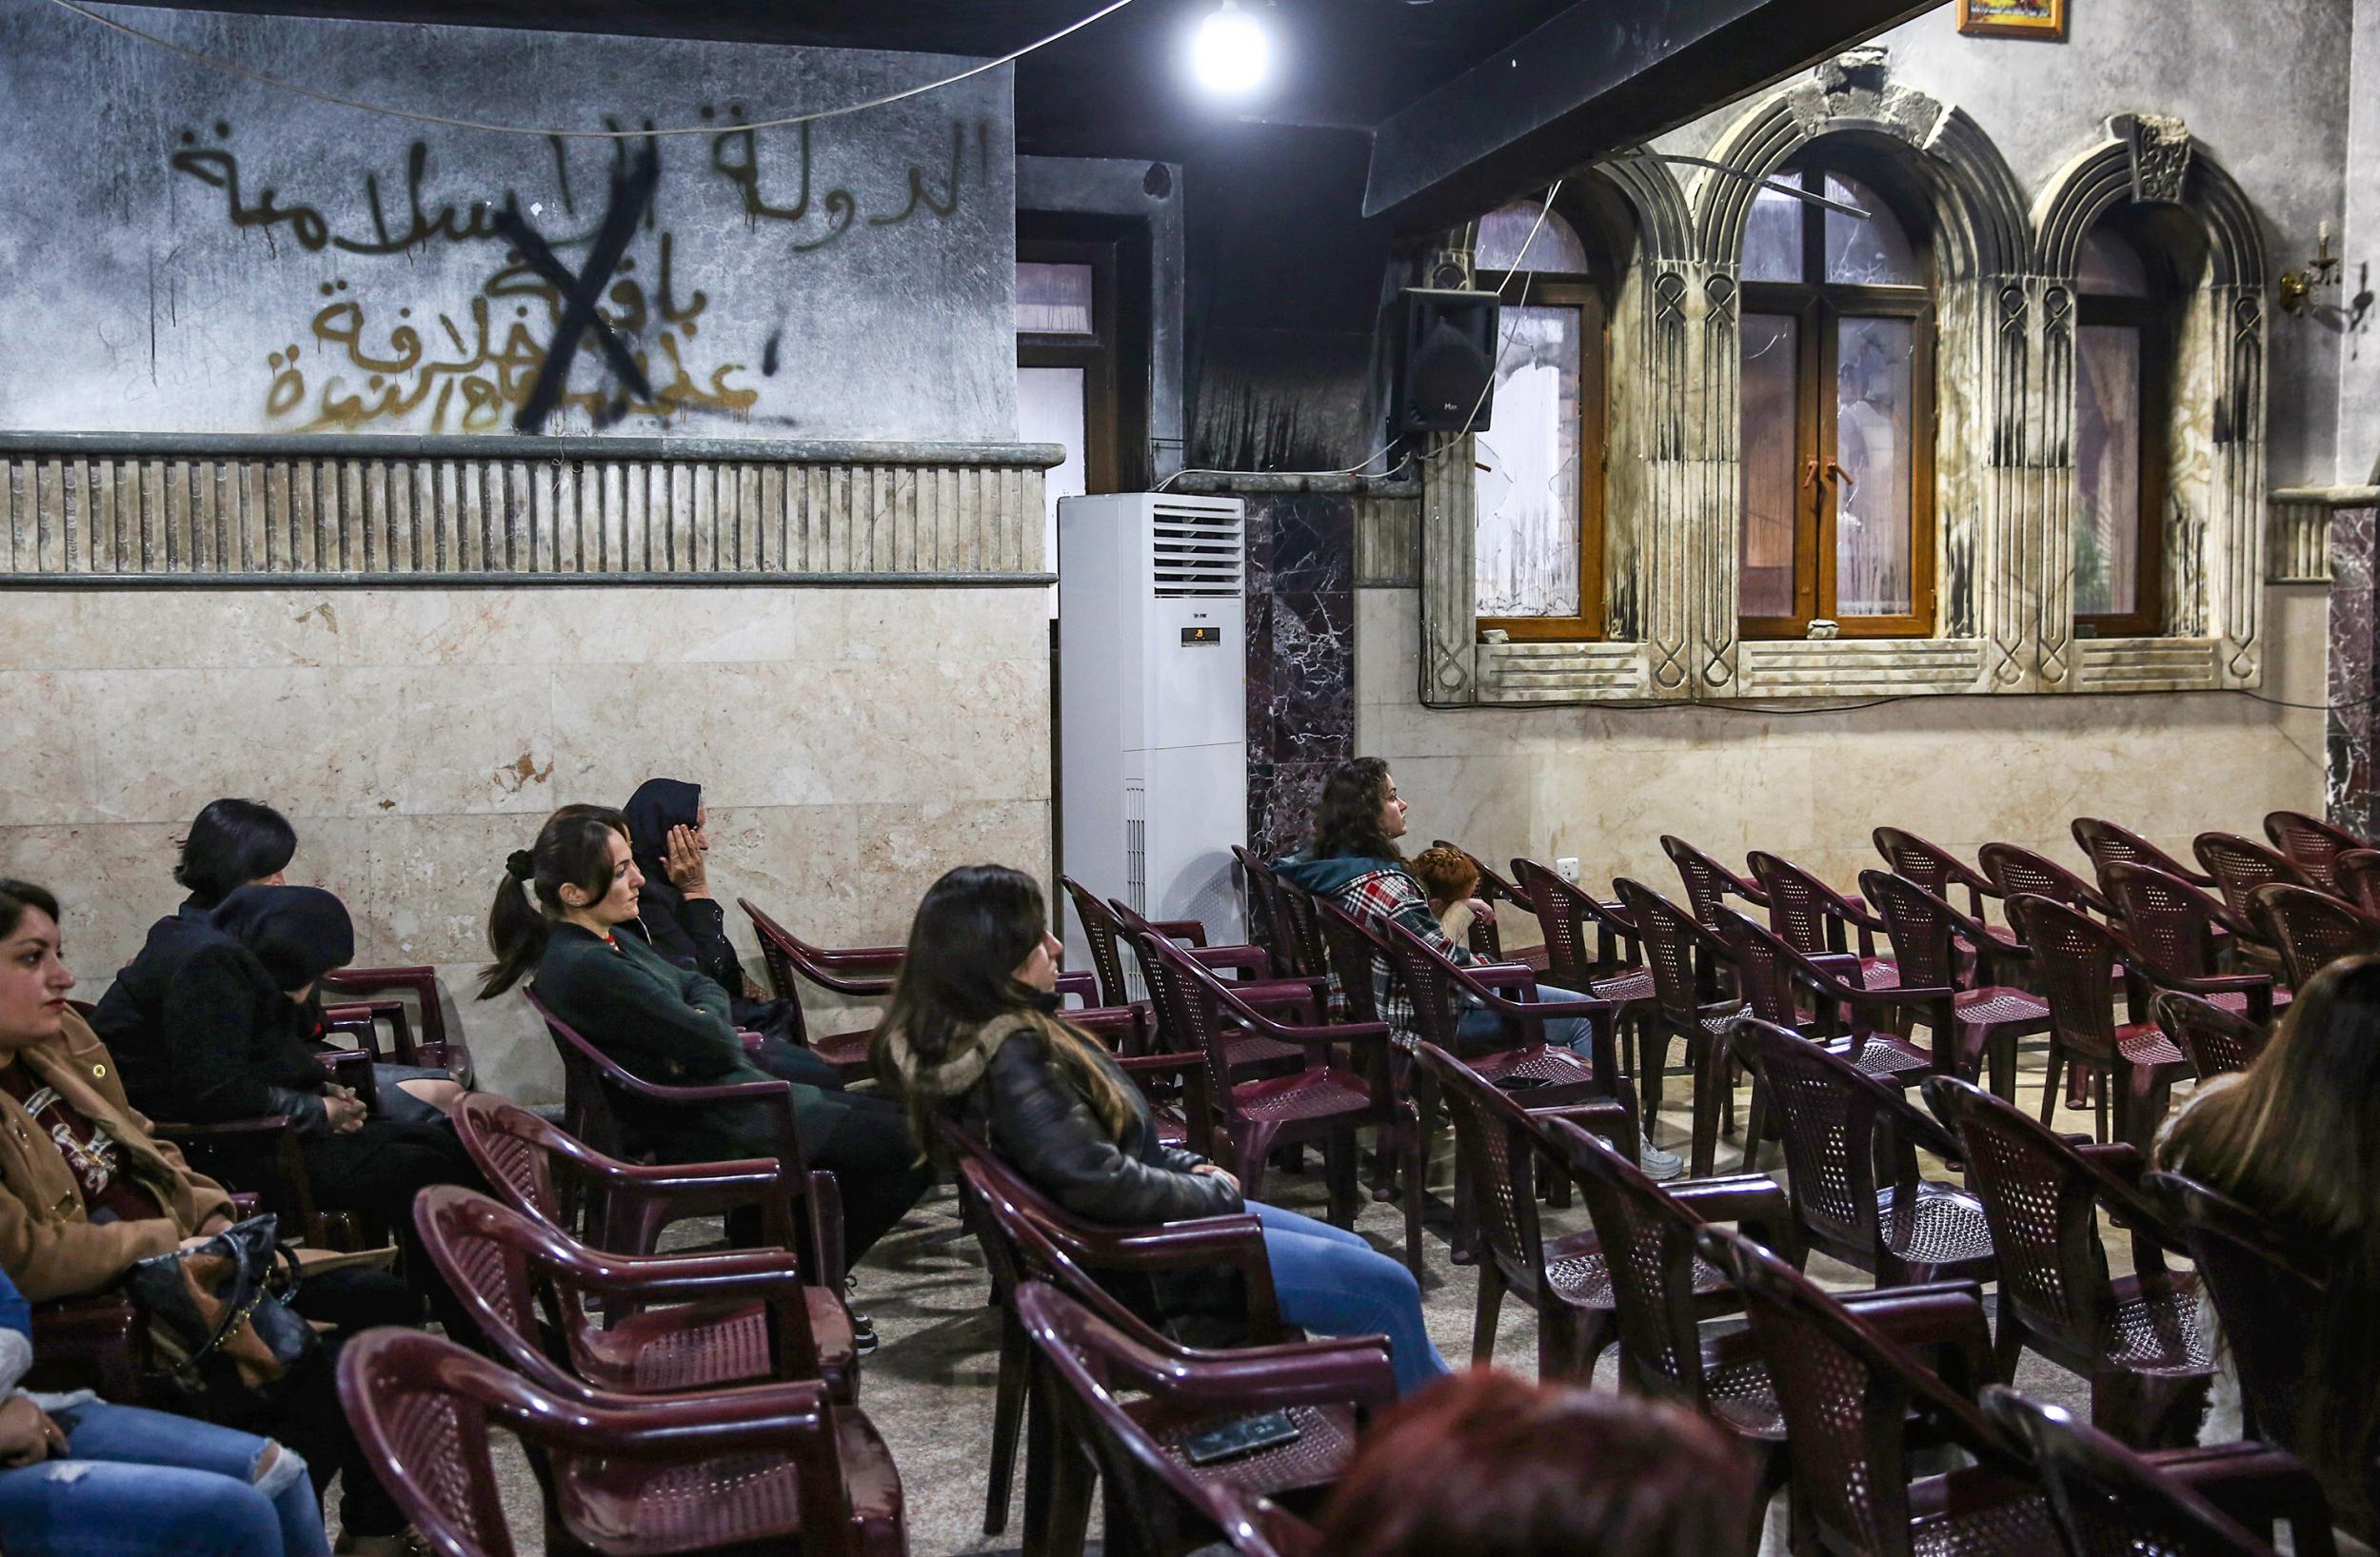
column 1347, row 819
column 16, row 896
column 2296, row 1138
column 231, row 843
column 973, row 928
column 572, row 849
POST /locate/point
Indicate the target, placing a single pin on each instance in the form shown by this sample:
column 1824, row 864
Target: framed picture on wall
column 2042, row 19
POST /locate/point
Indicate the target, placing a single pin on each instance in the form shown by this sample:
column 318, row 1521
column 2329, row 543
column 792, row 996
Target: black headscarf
column 299, row 934
column 658, row 805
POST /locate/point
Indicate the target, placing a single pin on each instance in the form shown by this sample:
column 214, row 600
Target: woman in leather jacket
column 974, row 1032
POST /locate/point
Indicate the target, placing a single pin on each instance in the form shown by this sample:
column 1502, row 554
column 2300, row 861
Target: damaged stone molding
column 167, row 508
column 2007, row 488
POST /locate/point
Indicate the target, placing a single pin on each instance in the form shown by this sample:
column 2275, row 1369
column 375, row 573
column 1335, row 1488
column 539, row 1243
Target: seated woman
column 1355, row 864
column 87, row 1191
column 81, row 1476
column 672, row 1025
column 669, row 836
column 232, row 844
column 2295, row 1137
column 1490, row 1466
column 973, row 1032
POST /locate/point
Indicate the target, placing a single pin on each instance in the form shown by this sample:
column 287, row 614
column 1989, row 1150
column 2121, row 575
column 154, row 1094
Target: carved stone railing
column 2297, row 534
column 113, row 508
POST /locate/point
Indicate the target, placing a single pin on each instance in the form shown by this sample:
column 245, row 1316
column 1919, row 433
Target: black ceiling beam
column 1596, row 77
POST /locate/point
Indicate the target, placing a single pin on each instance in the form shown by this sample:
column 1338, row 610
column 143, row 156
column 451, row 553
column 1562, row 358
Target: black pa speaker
column 1445, row 360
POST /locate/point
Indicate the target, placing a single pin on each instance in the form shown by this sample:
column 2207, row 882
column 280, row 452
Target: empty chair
column 1102, row 931
column 1291, row 998
column 2240, row 866
column 2017, row 870
column 1613, row 970
column 2078, row 958
column 2172, row 927
column 1678, row 952
column 1817, row 920
column 1708, row 883
column 2313, row 845
column 697, row 1473
column 859, row 973
column 1933, row 867
column 2107, row 844
column 1988, row 1016
column 2215, row 1041
column 2136, row 1338
column 2311, row 928
column 1775, row 978
column 1261, row 889
column 410, row 1001
column 1845, row 1132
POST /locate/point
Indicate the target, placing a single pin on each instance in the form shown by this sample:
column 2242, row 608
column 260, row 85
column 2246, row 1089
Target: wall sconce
column 2322, row 270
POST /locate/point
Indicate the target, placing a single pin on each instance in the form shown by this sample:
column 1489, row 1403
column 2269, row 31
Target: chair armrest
column 258, row 1124
column 859, row 958
column 1309, row 995
column 1943, row 1321
column 1253, row 961
column 2259, row 1485
column 767, row 1274
column 1606, row 1120
column 1754, row 1202
column 1083, row 985
column 1236, row 1242
column 763, row 1419
column 353, row 1069
column 1347, row 1371
column 1189, row 930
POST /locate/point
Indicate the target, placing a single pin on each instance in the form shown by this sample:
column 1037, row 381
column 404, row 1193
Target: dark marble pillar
column 1301, row 657
column 2355, row 537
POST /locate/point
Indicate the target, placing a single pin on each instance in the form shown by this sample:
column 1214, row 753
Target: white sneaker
column 1660, row 1166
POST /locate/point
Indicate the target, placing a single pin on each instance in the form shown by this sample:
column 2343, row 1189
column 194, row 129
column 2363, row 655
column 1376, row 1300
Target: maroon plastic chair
column 1101, row 929
column 1155, row 1503
column 681, row 1323
column 1677, row 950
column 1487, row 936
column 2173, row 928
column 2215, row 1041
column 2313, row 929
column 2078, row 959
column 1295, row 998
column 2311, row 844
column 2109, row 1500
column 857, row 973
column 2135, row 1337
column 1708, row 883
column 596, row 1088
column 1845, row 1130
column 406, row 998
column 1775, row 979
column 1263, row 889
column 1857, row 1398
column 2107, row 844
column 1988, row 1015
column 1933, row 867
column 2240, row 866
column 2019, row 872
column 1817, row 920
column 1615, row 970
column 2358, row 875
column 1326, row 1103
column 622, row 1474
column 98, row 1343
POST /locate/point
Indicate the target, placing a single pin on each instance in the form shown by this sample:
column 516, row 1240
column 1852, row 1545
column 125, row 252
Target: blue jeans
column 137, row 1482
column 1333, row 1283
column 1574, row 1033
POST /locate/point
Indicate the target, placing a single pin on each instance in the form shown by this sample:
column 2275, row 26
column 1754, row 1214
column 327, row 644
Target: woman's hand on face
column 27, row 1434
column 1211, row 1170
column 688, row 871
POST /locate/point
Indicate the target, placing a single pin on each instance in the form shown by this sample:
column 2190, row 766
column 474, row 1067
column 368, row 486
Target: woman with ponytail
column 555, row 920
column 974, row 1032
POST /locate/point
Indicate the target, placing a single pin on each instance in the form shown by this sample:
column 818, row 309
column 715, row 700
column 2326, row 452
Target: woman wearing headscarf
column 669, row 838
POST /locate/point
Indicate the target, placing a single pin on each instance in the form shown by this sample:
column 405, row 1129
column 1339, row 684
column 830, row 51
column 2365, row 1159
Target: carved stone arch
column 1664, row 220
column 2124, row 168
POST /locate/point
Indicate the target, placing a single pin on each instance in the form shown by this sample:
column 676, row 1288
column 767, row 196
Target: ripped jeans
column 136, row 1483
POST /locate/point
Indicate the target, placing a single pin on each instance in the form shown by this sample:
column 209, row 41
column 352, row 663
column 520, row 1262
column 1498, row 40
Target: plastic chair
column 859, row 973
column 404, row 997
column 2358, row 875
column 2019, row 872
column 1155, row 1503
column 1101, row 929
column 2311, row 844
column 2173, row 928
column 2240, row 866
column 622, row 1474
column 701, row 1322
column 2215, row 1041
column 1988, row 1016
column 1296, row 997
column 1851, row 1387
column 2079, row 958
column 1934, row 868
column 1614, row 972
column 1844, row 1130
column 2107, row 844
column 2311, row 928
column 1817, row 920
column 1773, row 977
column 1262, row 890
column 2112, row 1502
column 2136, row 1337
column 1678, row 950
column 597, row 1092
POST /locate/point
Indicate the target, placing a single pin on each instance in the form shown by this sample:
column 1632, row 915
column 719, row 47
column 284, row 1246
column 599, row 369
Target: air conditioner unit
column 1153, row 706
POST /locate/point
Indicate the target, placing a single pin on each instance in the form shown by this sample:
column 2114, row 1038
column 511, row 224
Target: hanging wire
column 234, row 68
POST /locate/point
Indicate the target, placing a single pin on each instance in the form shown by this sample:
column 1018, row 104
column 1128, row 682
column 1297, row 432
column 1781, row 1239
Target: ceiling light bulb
column 1232, row 52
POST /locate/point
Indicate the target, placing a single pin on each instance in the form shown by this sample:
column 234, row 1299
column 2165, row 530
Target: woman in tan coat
column 86, row 1191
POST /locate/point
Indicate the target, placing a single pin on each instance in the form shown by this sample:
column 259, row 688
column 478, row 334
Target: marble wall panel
column 1301, row 646
column 2350, row 796
column 853, row 743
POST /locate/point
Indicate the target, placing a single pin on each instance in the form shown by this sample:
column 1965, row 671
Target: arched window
column 2123, row 405
column 1837, row 410
column 1537, row 484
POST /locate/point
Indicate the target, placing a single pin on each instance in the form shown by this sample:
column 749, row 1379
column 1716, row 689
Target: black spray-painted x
column 632, row 192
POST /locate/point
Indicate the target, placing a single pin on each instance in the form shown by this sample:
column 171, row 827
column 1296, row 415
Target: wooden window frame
column 1541, row 288
column 2153, row 317
column 1819, row 308
column 1094, row 353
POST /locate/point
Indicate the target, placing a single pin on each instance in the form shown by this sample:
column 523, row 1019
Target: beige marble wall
column 1603, row 784
column 853, row 743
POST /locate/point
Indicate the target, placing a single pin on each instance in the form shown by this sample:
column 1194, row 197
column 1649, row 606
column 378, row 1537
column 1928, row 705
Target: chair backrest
column 1827, row 1112
column 1189, row 1019
column 2107, row 844
column 2313, row 845
column 2171, row 923
column 1264, row 919
column 1804, row 910
column 2017, row 870
column 1492, row 1132
column 2215, row 1041
column 1764, row 973
column 2075, row 958
column 431, row 1045
column 420, row 1408
column 1845, row 1392
column 2106, row 1500
column 1672, row 939
column 2241, row 866
column 1355, row 948
column 1707, row 881
column 2039, row 1199
column 1920, row 922
column 514, row 1151
column 2357, row 873
column 1300, row 911
column 1018, row 1249
column 2311, row 928
column 1564, row 910
column 1648, row 1244
column 1428, row 987
column 498, row 1263
column 1931, row 867
column 588, row 1078
column 1100, row 930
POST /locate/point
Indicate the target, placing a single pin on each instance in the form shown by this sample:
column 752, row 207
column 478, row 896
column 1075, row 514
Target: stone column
column 2355, row 537
column 1301, row 657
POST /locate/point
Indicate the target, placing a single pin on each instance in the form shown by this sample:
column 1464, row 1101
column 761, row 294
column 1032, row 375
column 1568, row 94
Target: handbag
column 219, row 1318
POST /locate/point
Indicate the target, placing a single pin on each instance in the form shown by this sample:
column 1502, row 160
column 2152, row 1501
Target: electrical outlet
column 1566, row 869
